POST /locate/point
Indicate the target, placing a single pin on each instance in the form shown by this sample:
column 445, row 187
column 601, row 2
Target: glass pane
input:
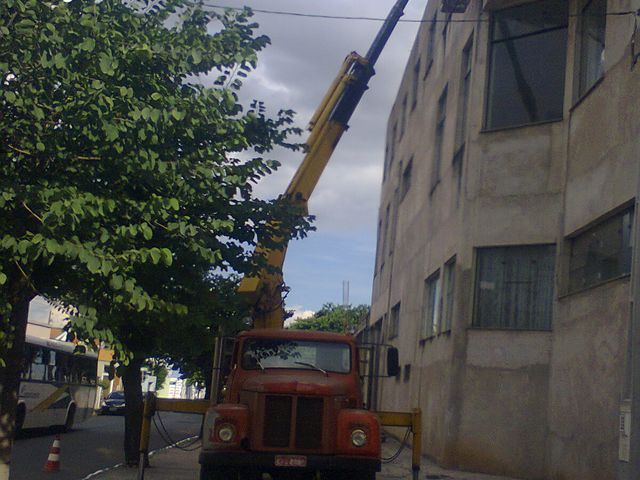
column 296, row 354
column 592, row 37
column 515, row 287
column 527, row 80
column 601, row 253
column 529, row 19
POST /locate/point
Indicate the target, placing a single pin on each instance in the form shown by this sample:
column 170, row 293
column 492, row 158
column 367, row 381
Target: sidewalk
column 176, row 464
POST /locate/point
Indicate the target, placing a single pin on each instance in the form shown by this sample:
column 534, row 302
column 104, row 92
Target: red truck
column 292, row 409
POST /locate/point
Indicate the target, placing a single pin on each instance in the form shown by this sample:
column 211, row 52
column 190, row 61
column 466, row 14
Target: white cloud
column 299, row 313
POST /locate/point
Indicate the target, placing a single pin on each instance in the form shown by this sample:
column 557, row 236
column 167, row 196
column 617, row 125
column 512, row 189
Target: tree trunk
column 10, row 382
column 132, row 381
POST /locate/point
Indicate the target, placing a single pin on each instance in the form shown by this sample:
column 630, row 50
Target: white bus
column 57, row 386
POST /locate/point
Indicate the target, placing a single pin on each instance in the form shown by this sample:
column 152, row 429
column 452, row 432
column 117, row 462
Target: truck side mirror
column 393, row 364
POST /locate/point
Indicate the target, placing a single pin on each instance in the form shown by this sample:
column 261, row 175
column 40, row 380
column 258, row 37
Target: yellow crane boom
column 327, row 126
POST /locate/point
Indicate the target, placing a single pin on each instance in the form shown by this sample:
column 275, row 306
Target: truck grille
column 309, row 422
column 279, row 420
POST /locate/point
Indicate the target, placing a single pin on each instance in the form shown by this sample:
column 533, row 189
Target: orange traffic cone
column 53, row 462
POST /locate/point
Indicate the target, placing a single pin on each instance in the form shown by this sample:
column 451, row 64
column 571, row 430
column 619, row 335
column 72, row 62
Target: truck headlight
column 358, row 437
column 226, row 432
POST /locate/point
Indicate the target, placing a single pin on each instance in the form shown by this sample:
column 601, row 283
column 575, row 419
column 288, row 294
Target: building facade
column 505, row 235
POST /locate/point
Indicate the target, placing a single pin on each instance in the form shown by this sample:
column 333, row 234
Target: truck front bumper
column 267, row 461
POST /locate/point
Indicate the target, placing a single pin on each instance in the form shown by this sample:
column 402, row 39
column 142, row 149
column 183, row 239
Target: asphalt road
column 90, row 446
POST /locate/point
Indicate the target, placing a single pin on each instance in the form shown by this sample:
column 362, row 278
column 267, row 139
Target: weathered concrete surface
column 538, row 406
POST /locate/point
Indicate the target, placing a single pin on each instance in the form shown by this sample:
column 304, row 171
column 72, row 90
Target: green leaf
column 3, row 278
column 111, row 131
column 94, row 265
column 167, row 256
column 88, row 44
column 40, row 146
column 146, row 231
column 106, row 65
column 10, row 96
column 156, row 96
column 156, row 255
column 116, row 282
column 174, row 204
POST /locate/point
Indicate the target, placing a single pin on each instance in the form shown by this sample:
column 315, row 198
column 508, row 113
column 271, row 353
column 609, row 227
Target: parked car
column 113, row 404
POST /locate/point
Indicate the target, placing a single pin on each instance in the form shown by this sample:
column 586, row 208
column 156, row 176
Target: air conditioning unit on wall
column 455, row 6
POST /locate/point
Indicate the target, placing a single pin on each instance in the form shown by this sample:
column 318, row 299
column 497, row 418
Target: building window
column 406, row 180
column 514, row 287
column 403, row 114
column 407, row 373
column 449, row 281
column 528, row 57
column 392, row 144
column 590, row 49
column 445, row 34
column 431, row 319
column 394, row 321
column 385, row 237
column 416, row 82
column 439, row 140
column 379, row 254
column 601, row 253
column 431, row 44
column 465, row 89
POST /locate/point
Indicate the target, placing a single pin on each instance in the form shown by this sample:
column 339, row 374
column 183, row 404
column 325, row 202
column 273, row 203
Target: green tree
column 221, row 313
column 123, row 180
column 333, row 318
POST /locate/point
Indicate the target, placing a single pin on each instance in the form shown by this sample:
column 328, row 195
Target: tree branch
column 19, row 150
column 32, row 213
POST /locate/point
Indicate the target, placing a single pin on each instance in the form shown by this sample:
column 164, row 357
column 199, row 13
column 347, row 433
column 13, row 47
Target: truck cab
column 292, row 408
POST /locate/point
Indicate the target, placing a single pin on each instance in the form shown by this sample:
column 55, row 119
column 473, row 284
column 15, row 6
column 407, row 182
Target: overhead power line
column 374, row 19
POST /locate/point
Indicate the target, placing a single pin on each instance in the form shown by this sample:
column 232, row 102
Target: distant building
column 45, row 321
column 177, row 387
column 505, row 235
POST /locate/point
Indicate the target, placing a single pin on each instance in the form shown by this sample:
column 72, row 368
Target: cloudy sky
column 294, row 72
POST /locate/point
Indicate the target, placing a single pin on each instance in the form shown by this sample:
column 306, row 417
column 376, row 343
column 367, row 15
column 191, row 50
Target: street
column 93, row 445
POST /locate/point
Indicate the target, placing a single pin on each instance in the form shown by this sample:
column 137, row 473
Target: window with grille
column 514, row 287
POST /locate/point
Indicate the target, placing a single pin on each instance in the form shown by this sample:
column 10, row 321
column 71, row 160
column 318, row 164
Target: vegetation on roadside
column 124, row 181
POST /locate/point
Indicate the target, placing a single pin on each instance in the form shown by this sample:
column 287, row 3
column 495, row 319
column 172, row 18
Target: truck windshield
column 261, row 353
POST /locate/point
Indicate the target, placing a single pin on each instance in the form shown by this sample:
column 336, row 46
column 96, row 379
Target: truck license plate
column 291, row 461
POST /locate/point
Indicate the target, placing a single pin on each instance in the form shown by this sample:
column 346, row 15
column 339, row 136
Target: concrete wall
column 535, row 405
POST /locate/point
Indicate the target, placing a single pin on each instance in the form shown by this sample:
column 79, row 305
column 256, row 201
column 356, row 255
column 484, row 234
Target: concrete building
column 504, row 238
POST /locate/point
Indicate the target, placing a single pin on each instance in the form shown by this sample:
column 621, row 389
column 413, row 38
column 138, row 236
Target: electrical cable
column 166, row 437
column 370, row 19
column 403, row 446
column 177, row 444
